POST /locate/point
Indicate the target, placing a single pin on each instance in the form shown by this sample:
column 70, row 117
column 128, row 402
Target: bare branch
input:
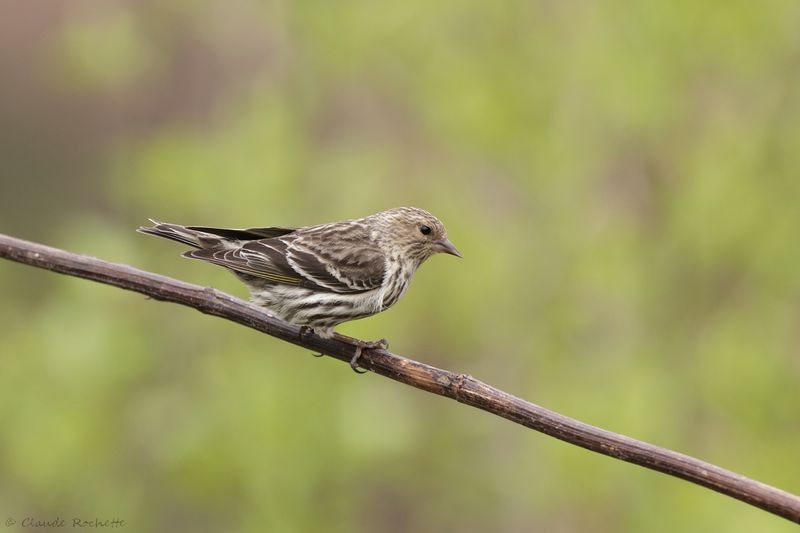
column 460, row 387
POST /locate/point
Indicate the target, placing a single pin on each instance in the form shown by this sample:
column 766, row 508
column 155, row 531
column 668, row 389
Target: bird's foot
column 305, row 330
column 365, row 345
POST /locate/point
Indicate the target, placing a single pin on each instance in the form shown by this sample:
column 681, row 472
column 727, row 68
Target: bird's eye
column 425, row 230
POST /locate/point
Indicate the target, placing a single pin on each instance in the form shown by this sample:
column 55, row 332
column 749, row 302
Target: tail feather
column 175, row 232
column 249, row 234
column 208, row 237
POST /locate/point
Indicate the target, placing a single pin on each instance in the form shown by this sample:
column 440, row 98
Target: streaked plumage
column 321, row 276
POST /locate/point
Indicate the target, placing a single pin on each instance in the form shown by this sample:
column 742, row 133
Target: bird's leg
column 365, row 345
column 305, row 330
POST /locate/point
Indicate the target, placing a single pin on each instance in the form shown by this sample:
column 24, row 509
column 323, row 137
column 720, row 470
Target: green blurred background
column 622, row 179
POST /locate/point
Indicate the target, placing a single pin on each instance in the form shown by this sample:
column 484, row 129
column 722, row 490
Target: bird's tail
column 176, row 232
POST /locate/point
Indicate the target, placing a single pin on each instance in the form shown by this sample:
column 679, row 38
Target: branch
column 460, row 387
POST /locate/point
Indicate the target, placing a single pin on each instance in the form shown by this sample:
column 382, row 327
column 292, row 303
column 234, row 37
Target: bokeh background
column 622, row 179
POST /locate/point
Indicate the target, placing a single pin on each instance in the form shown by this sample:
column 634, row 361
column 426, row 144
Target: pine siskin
column 320, row 276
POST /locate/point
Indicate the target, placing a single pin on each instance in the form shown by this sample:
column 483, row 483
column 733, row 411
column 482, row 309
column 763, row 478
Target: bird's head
column 415, row 233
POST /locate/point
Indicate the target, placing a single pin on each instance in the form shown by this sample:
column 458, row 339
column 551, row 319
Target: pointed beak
column 447, row 247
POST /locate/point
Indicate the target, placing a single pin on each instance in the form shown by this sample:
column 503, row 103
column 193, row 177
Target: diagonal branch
column 460, row 387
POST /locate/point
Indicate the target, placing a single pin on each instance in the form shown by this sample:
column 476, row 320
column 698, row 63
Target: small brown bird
column 320, row 276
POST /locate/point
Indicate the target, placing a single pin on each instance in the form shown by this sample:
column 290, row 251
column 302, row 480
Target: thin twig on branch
column 460, row 387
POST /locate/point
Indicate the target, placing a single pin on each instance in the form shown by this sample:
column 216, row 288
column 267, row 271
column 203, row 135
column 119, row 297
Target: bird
column 317, row 277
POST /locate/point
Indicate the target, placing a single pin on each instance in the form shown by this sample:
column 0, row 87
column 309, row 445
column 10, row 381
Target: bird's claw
column 381, row 344
column 305, row 330
column 366, row 345
column 354, row 361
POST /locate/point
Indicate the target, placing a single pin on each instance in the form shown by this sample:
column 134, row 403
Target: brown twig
column 460, row 387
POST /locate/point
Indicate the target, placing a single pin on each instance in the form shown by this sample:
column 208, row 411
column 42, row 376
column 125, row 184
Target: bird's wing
column 345, row 260
column 303, row 261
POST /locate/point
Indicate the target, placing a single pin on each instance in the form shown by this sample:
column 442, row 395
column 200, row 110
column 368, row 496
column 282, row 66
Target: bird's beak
column 447, row 247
